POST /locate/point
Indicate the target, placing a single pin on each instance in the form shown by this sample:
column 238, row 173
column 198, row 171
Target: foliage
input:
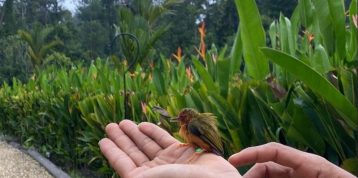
column 323, row 56
column 220, row 18
column 88, row 32
column 140, row 18
column 14, row 60
column 38, row 44
column 299, row 88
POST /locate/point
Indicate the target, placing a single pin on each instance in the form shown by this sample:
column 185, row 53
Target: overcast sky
column 70, row 5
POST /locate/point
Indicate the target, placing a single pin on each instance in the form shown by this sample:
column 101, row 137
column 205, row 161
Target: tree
column 96, row 27
column 219, row 16
column 38, row 43
column 222, row 22
column 7, row 18
column 183, row 29
column 140, row 18
column 271, row 9
column 14, row 63
column 42, row 11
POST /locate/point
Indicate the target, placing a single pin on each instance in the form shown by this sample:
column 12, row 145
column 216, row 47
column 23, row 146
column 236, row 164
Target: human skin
column 147, row 151
column 275, row 160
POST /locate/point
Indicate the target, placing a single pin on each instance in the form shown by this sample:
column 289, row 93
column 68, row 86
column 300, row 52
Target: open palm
column 148, row 151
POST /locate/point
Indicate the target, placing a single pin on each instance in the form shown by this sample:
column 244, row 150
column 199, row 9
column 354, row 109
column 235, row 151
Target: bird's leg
column 184, row 144
column 196, row 155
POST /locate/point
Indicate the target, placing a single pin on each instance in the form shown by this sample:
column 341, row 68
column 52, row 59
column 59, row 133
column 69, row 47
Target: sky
column 70, row 5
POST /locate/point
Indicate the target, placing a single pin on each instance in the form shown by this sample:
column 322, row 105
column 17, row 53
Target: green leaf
column 236, row 54
column 353, row 44
column 197, row 100
column 320, row 60
column 286, row 36
column 158, row 81
column 351, row 165
column 205, row 76
column 306, row 12
column 223, row 76
column 347, row 80
column 336, row 8
column 304, row 130
column 317, row 83
column 273, row 34
column 253, row 37
column 324, row 22
column 295, row 21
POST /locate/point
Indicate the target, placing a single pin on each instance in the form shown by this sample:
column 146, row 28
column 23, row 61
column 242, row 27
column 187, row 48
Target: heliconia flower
column 144, row 107
column 178, row 55
column 202, row 30
column 202, row 50
column 310, row 36
column 189, row 74
column 355, row 20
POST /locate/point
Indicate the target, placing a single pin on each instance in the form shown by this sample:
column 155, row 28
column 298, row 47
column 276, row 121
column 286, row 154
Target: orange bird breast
column 193, row 139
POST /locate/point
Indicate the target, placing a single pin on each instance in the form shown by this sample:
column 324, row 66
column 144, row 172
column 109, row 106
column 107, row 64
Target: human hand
column 146, row 150
column 275, row 160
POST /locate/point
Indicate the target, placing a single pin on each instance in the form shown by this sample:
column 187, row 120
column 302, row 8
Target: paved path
column 16, row 164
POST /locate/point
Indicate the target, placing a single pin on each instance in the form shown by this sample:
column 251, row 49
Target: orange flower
column 310, row 36
column 202, row 50
column 189, row 74
column 202, row 31
column 178, row 55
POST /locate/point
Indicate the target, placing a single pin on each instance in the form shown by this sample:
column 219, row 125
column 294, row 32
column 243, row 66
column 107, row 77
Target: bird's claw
column 184, row 144
column 195, row 156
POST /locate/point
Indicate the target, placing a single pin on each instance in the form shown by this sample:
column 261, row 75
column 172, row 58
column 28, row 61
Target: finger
column 159, row 135
column 176, row 171
column 144, row 143
column 269, row 152
column 118, row 159
column 269, row 169
column 125, row 144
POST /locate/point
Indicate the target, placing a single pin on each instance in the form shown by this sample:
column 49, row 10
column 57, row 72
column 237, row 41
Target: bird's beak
column 174, row 119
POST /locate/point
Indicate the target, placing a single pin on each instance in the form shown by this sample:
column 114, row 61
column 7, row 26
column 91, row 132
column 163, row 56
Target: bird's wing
column 208, row 133
column 162, row 112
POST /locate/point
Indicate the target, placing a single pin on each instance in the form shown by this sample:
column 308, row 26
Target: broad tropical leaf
column 253, row 37
column 317, row 83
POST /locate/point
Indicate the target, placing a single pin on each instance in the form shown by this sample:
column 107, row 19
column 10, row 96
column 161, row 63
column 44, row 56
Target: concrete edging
column 44, row 162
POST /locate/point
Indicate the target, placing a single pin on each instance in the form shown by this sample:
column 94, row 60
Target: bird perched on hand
column 200, row 130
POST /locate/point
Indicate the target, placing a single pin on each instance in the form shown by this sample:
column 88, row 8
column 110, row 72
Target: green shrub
column 301, row 91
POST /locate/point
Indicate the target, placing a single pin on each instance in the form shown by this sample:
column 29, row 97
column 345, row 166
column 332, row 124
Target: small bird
column 200, row 130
